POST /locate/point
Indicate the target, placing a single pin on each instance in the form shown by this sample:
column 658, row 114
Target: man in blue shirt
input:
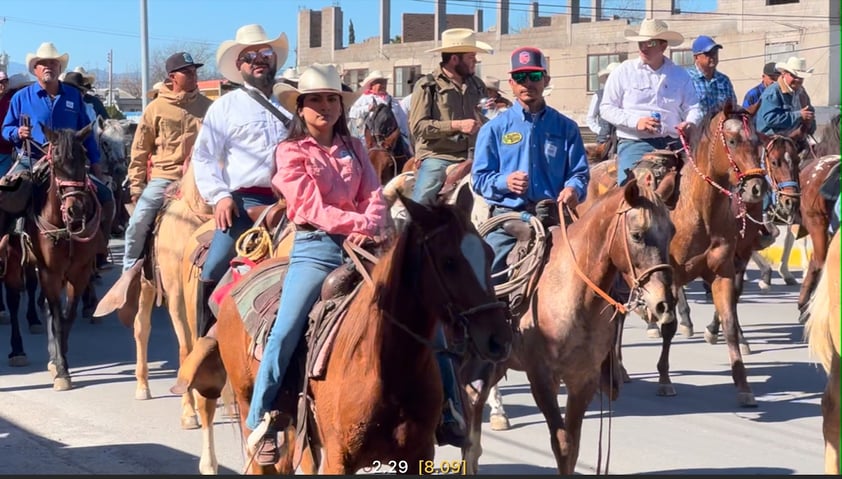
column 770, row 75
column 714, row 88
column 785, row 105
column 56, row 105
column 528, row 153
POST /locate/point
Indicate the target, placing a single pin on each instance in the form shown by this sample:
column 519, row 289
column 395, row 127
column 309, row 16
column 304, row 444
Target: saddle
column 652, row 168
column 455, row 174
column 16, row 188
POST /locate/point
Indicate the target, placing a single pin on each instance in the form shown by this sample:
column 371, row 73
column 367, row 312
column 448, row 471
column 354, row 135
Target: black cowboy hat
column 77, row 80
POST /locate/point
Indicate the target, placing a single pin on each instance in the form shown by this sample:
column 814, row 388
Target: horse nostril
column 755, row 190
column 661, row 308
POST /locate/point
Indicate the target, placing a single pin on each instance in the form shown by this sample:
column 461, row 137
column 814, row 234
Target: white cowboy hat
column 607, row 70
column 654, row 29
column 795, row 65
column 46, row 51
column 374, row 75
column 246, row 36
column 290, row 74
column 461, row 40
column 491, row 82
column 319, row 78
column 20, row 80
column 90, row 77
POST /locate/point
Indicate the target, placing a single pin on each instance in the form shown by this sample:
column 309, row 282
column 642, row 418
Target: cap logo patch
column 524, row 58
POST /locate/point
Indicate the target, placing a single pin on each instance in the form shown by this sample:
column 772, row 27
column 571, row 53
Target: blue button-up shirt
column 66, row 110
column 753, row 95
column 781, row 112
column 546, row 145
column 712, row 93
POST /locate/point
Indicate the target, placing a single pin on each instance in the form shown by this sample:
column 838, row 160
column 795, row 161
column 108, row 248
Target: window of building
column 402, row 78
column 780, row 2
column 682, row 58
column 597, row 63
column 353, row 78
column 779, row 52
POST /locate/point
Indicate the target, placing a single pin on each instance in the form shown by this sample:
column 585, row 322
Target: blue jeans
column 221, row 250
column 103, row 193
column 629, row 153
column 145, row 212
column 429, row 179
column 315, row 254
column 502, row 244
column 450, row 382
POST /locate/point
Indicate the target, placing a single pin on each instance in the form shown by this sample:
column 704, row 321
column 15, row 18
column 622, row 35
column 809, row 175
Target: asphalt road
column 99, row 428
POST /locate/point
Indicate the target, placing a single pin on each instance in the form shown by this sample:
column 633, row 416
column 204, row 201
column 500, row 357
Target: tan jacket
column 165, row 136
column 436, row 101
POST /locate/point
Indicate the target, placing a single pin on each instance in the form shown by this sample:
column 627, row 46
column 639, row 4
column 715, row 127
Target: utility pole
column 144, row 54
column 110, row 77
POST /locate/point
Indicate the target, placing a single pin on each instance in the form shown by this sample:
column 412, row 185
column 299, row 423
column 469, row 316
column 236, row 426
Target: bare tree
column 201, row 53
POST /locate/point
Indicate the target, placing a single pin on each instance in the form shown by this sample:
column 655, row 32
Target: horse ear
column 752, row 110
column 417, row 212
column 465, row 200
column 48, row 133
column 84, row 132
column 727, row 108
column 764, row 138
column 631, row 193
column 667, row 189
column 100, row 121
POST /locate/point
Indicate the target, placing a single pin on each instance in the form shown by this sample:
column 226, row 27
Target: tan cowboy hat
column 46, row 51
column 290, row 74
column 319, row 78
column 491, row 82
column 795, row 65
column 246, row 36
column 654, row 29
column 20, row 80
column 607, row 70
column 374, row 75
column 461, row 40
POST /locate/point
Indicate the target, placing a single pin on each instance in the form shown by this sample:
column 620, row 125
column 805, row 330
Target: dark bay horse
column 385, row 145
column 567, row 333
column 64, row 228
column 17, row 277
column 381, row 395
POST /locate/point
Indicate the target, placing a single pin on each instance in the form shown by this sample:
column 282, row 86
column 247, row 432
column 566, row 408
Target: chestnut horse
column 381, row 395
column 723, row 164
column 567, row 333
column 822, row 332
column 64, row 228
column 780, row 155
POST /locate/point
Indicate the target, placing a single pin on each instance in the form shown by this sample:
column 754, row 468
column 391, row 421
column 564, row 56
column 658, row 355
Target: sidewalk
column 796, row 258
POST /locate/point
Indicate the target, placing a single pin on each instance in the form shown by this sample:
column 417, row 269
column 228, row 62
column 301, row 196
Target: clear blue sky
column 87, row 29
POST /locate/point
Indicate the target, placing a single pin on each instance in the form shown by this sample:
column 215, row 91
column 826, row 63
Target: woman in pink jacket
column 332, row 194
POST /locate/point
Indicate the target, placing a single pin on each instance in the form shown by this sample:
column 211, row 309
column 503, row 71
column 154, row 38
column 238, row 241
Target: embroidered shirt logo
column 512, row 138
column 69, row 104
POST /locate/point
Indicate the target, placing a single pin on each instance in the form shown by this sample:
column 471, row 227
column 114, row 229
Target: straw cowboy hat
column 246, row 36
column 374, row 75
column 46, row 51
column 607, row 70
column 796, row 66
column 461, row 40
column 20, row 80
column 491, row 82
column 291, row 74
column 319, row 78
column 654, row 29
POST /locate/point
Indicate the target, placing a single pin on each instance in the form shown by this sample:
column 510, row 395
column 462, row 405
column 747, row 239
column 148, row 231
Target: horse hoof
column 94, row 319
column 499, row 422
column 653, row 333
column 142, row 394
column 746, row 399
column 190, row 422
column 51, row 367
column 62, row 384
column 790, row 280
column 745, row 349
column 666, row 390
column 625, row 375
column 711, row 338
column 207, row 469
column 37, row 328
column 18, row 361
column 5, row 318
column 764, row 286
column 686, row 330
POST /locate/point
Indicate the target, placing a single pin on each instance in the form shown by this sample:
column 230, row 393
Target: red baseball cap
column 528, row 59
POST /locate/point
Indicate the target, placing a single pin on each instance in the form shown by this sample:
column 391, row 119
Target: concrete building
column 578, row 45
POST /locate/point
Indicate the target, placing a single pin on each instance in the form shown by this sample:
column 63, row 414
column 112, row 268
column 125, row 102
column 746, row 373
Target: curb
column 796, row 260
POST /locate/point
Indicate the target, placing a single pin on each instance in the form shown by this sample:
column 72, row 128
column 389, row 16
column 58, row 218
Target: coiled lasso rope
column 255, row 244
column 532, row 259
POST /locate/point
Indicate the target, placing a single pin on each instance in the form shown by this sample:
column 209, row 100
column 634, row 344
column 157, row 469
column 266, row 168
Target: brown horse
column 383, row 140
column 15, row 277
column 64, row 229
column 724, row 163
column 436, row 270
column 567, row 333
column 822, row 332
column 780, row 155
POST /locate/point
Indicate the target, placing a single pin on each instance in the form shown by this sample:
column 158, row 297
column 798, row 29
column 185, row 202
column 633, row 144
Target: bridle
column 780, row 188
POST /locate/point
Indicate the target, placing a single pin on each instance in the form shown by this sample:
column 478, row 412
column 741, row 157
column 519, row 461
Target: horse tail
column 820, row 326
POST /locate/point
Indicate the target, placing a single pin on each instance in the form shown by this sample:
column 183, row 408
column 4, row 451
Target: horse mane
column 829, row 138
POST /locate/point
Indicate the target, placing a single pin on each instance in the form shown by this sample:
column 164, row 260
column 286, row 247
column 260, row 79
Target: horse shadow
column 40, row 455
column 756, row 470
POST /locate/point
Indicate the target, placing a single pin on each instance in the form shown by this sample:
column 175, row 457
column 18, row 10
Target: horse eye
column 637, row 237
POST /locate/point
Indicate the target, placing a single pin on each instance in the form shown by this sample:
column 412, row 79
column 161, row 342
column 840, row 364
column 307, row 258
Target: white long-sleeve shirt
column 359, row 110
column 592, row 118
column 236, row 145
column 634, row 90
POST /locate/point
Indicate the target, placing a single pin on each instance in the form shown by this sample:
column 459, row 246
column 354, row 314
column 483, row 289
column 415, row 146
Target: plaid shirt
column 712, row 93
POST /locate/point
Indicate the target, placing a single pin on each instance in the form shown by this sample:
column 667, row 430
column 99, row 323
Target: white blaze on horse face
column 474, row 253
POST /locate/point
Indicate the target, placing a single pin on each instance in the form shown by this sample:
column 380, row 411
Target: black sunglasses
column 264, row 53
column 520, row 77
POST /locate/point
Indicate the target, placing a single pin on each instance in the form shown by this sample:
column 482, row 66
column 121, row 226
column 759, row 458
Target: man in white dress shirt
column 374, row 89
column 233, row 158
column 650, row 84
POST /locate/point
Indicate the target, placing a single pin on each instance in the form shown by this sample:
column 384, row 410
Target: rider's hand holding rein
column 569, row 197
column 24, row 132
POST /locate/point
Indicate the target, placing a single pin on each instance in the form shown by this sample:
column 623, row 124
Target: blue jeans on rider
column 835, row 216
column 221, row 250
column 145, row 212
column 450, row 382
column 429, row 179
column 315, row 254
column 502, row 244
column 629, row 153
